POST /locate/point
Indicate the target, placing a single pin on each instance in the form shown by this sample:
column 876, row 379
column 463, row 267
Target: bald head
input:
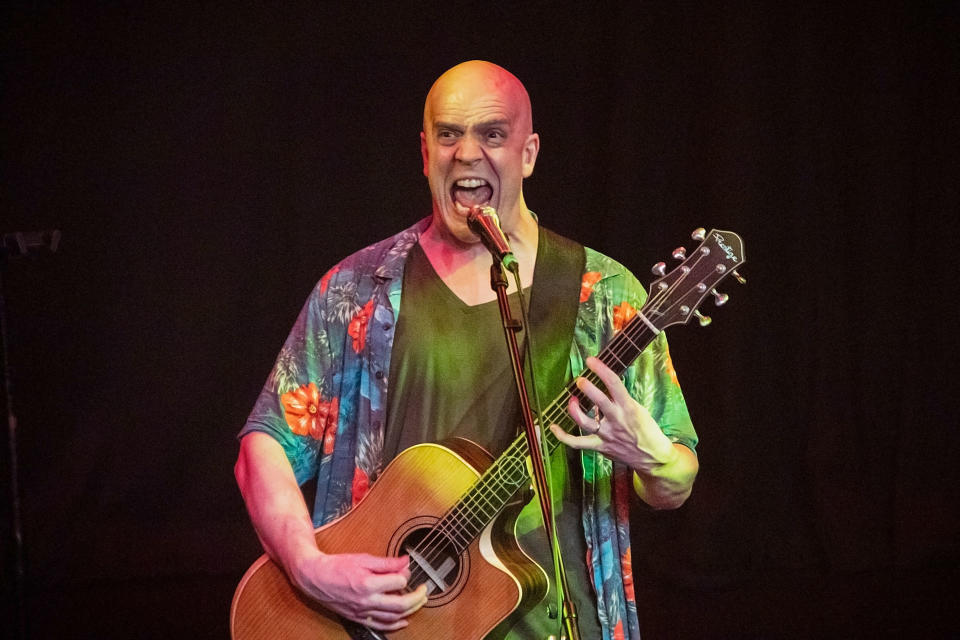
column 476, row 78
column 478, row 146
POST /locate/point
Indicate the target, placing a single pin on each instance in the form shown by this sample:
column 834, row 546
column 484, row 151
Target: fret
column 477, row 506
column 480, row 505
column 619, row 361
column 463, row 540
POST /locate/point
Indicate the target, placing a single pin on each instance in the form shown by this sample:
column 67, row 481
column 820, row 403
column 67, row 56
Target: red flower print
column 590, row 278
column 325, row 280
column 622, row 314
column 307, row 414
column 361, row 484
column 331, row 415
column 618, row 630
column 300, row 408
column 358, row 326
column 626, row 566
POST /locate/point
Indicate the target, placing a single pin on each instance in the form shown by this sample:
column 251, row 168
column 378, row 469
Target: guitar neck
column 673, row 299
column 480, row 505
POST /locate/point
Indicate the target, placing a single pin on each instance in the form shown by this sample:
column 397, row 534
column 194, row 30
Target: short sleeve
column 292, row 407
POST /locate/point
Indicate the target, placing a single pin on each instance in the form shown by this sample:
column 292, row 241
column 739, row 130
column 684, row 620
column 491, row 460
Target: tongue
column 472, row 197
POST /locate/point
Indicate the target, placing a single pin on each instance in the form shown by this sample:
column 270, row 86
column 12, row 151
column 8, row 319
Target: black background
column 206, row 163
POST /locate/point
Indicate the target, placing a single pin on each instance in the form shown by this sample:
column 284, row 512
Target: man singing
column 401, row 343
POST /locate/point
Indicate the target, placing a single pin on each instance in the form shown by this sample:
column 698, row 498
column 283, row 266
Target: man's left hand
column 622, row 428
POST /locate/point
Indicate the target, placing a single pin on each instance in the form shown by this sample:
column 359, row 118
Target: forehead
column 476, row 95
column 470, row 106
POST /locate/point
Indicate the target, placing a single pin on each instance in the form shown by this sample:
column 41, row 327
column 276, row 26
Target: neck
column 465, row 267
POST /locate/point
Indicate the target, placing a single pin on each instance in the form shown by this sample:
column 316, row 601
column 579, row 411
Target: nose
column 469, row 150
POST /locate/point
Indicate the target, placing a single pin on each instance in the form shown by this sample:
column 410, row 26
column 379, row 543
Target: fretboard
column 482, row 502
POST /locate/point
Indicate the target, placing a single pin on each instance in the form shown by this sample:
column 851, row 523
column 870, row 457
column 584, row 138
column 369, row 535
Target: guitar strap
column 554, row 302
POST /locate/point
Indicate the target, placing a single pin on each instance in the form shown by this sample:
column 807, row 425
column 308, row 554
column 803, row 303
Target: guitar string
column 446, row 530
column 462, row 521
column 616, row 353
column 491, row 489
column 452, row 524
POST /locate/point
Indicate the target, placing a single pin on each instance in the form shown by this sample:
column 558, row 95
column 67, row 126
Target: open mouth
column 468, row 193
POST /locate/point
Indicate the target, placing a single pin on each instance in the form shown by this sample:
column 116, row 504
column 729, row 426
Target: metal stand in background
column 15, row 246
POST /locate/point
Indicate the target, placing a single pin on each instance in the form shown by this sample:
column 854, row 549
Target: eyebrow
column 499, row 122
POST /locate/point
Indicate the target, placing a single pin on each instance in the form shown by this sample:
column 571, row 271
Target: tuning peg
column 739, row 277
column 719, row 299
column 704, row 320
column 699, row 234
column 659, row 269
column 679, row 253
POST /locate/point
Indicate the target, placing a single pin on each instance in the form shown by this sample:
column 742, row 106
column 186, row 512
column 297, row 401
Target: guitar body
column 487, row 583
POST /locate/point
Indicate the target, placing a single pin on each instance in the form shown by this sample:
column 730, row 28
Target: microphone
column 484, row 222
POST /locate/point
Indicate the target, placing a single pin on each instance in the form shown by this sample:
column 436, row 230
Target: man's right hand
column 360, row 587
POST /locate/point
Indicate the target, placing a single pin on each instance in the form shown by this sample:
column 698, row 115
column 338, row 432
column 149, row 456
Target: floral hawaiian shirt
column 325, row 400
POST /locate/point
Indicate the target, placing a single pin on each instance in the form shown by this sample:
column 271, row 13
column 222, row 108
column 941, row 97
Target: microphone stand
column 498, row 282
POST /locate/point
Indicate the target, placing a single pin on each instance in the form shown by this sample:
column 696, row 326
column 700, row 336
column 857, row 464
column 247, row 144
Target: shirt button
column 387, row 326
column 379, row 375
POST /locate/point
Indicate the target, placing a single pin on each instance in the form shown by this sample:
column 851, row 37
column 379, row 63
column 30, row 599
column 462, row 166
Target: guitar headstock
column 676, row 296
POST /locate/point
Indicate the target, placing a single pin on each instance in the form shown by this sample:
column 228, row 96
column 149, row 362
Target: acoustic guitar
column 451, row 509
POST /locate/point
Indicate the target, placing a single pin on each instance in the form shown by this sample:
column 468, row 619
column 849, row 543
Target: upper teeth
column 471, row 183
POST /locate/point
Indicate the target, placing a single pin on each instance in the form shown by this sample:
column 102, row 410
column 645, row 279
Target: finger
column 586, row 422
column 386, row 617
column 577, row 442
column 373, row 623
column 422, row 591
column 613, row 383
column 382, row 617
column 384, row 582
column 596, row 395
column 378, row 564
column 413, row 608
column 398, row 603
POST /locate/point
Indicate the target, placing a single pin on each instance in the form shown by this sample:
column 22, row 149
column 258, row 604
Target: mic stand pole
column 498, row 282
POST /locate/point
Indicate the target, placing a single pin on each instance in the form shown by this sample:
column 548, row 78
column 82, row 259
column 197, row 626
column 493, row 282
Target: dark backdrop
column 207, row 163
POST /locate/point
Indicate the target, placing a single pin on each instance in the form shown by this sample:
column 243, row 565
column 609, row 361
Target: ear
column 531, row 147
column 424, row 154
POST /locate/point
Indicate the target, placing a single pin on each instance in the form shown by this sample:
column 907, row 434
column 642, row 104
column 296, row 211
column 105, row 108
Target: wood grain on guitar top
column 416, row 489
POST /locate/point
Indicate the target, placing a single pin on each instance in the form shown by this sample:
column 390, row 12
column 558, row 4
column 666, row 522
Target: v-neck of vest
column 446, row 291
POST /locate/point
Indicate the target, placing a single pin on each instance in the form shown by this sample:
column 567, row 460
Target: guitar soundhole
column 434, row 560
